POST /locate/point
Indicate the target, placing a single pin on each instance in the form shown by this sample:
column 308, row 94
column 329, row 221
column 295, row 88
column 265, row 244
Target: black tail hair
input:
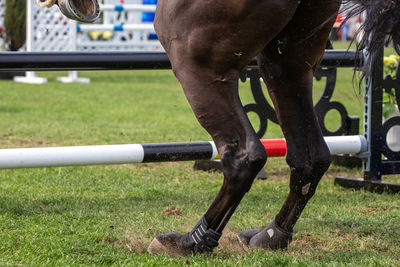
column 381, row 26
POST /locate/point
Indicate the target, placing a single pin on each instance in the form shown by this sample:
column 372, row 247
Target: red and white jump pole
column 137, row 153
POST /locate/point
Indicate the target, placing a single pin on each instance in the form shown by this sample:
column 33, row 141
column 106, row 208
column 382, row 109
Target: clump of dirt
column 229, row 243
column 172, row 211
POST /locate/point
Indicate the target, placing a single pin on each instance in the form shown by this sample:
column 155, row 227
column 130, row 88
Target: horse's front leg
column 287, row 65
column 207, row 43
column 215, row 102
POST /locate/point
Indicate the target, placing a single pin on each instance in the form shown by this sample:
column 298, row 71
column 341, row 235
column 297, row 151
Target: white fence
column 126, row 26
column 123, row 26
column 48, row 30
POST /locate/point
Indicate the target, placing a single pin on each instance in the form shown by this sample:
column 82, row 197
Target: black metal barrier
column 380, row 160
column 49, row 61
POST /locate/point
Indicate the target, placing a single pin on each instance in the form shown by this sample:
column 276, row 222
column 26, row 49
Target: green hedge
column 15, row 24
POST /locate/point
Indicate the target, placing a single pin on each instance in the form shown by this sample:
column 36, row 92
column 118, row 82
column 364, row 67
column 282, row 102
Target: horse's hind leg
column 287, row 65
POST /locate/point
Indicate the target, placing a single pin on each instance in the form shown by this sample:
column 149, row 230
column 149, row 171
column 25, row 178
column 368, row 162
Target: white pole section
column 351, row 144
column 133, row 7
column 136, row 153
column 70, row 156
column 111, row 27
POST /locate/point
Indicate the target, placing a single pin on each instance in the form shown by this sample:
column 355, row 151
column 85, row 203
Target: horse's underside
column 209, row 42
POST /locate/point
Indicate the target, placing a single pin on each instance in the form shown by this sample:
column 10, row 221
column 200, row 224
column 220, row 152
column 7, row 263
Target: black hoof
column 173, row 244
column 272, row 237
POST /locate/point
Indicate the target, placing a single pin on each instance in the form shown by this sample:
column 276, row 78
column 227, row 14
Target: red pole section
column 275, row 147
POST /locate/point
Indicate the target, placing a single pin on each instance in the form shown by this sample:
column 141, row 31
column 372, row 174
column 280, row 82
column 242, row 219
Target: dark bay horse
column 209, row 42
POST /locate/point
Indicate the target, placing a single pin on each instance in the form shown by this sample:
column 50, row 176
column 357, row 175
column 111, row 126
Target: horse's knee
column 237, row 157
column 241, row 165
column 306, row 174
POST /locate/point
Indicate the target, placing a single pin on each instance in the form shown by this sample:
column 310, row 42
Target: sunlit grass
column 104, row 215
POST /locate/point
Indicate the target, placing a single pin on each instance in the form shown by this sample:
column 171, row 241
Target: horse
column 209, row 43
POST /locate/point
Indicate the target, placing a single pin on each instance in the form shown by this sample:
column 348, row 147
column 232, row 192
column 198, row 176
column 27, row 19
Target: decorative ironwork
column 261, row 107
column 349, row 124
column 388, row 84
column 376, row 131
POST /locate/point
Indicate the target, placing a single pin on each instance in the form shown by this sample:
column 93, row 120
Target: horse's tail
column 381, row 26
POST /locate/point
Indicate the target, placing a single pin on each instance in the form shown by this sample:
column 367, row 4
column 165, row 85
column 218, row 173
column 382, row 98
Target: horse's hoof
column 84, row 10
column 272, row 237
column 173, row 244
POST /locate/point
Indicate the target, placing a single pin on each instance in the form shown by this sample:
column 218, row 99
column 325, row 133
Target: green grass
column 107, row 215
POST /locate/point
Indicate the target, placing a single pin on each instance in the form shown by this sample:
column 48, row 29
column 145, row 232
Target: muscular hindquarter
column 219, row 34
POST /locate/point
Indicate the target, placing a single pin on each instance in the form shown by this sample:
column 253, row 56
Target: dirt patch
column 305, row 241
column 135, row 242
column 172, row 211
column 132, row 242
column 372, row 210
column 302, row 244
column 229, row 243
column 12, row 141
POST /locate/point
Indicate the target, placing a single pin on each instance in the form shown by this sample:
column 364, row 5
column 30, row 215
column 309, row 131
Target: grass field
column 107, row 215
